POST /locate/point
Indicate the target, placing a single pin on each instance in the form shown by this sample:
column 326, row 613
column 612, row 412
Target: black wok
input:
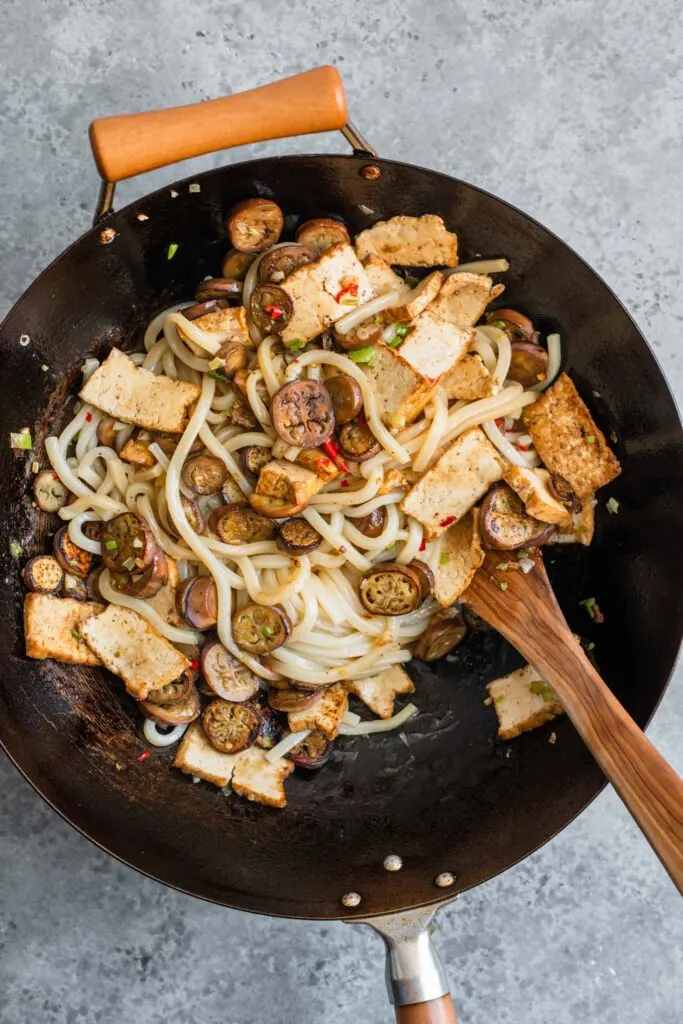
column 443, row 793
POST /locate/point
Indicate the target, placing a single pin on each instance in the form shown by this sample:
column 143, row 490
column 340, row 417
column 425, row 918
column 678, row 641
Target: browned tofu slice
column 582, row 526
column 532, row 486
column 461, row 556
column 318, row 463
column 196, row 756
column 137, row 453
column 456, row 481
column 401, row 391
column 132, row 649
column 568, row 440
column 523, row 701
column 315, row 287
column 382, row 277
column 225, row 325
column 378, row 692
column 468, row 380
column 463, row 298
column 163, row 601
column 434, row 346
column 256, row 778
column 410, row 241
column 52, row 628
column 325, row 715
column 128, row 392
column 286, row 484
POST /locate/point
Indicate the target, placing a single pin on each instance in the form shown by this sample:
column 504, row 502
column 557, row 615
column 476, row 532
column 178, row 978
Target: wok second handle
column 130, row 144
column 436, row 1011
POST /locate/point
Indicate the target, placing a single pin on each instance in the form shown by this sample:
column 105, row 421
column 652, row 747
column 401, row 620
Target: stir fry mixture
column 280, row 499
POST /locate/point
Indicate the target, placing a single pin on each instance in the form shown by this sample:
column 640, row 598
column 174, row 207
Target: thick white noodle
column 554, row 361
column 498, row 266
column 506, row 448
column 435, row 433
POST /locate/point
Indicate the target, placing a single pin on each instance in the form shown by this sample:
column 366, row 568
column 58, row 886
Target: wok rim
column 450, row 181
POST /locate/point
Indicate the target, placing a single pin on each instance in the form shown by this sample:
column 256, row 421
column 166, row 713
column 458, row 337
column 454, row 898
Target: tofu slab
column 221, row 325
column 137, row 453
column 196, row 756
column 325, row 715
column 463, row 298
column 410, row 241
column 129, row 647
column 456, row 481
column 382, row 277
column 532, row 487
column 163, row 601
column 313, row 289
column 523, row 701
column 434, row 346
column 401, row 391
column 128, row 392
column 461, row 556
column 378, row 692
column 568, row 440
column 469, row 379
column 256, row 778
column 50, row 628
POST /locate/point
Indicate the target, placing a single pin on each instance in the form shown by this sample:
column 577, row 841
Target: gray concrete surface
column 570, row 109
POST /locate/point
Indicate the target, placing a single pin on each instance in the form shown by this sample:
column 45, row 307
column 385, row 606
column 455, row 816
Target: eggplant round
column 426, row 576
column 43, row 574
column 505, row 525
column 347, row 397
column 240, row 524
column 93, row 585
column 241, row 414
column 236, row 264
column 260, row 629
column 302, row 413
column 231, row 727
column 517, row 326
column 254, row 457
column 254, row 225
column 273, row 725
column 128, row 544
column 49, row 491
column 75, row 588
column 297, row 537
column 291, row 699
column 390, row 589
column 72, row 559
column 564, row 492
column 224, row 288
column 357, row 442
column 270, row 308
column 321, row 233
column 361, row 336
column 313, row 752
column 445, row 631
column 278, row 264
column 181, row 712
column 199, row 309
column 235, row 357
column 197, row 602
column 528, row 364
column 275, row 508
column 92, row 529
column 204, row 474
column 106, row 432
column 143, row 584
column 225, row 675
column 193, row 513
column 174, row 692
column 373, row 523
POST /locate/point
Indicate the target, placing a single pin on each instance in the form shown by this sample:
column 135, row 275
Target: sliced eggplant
column 302, row 413
column 445, row 631
column 235, row 357
column 225, row 675
column 357, row 442
column 362, row 336
column 273, row 725
column 275, row 508
column 75, row 588
column 564, row 492
column 181, row 712
column 92, row 529
column 373, row 523
column 505, row 525
column 231, row 493
column 194, row 514
column 142, row 584
column 225, row 288
column 427, row 581
column 72, row 559
column 278, row 264
column 93, row 585
column 297, row 537
column 516, row 325
column 174, row 692
column 321, row 233
column 199, row 309
column 197, row 602
column 270, row 308
column 106, row 432
column 204, row 474
column 260, row 629
column 254, row 225
column 236, row 264
column 49, row 491
column 347, row 397
column 43, row 574
column 390, row 589
column 128, row 544
column 231, row 727
column 254, row 457
column 528, row 364
column 313, row 752
column 240, row 524
column 292, row 699
column 242, row 416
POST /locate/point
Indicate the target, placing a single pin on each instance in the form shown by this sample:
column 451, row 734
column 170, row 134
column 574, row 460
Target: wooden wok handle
column 437, row 1011
column 526, row 612
column 129, row 144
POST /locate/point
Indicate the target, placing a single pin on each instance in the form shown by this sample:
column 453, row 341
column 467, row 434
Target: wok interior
column 442, row 792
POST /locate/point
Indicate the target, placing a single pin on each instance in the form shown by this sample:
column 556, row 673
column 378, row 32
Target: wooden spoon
column 523, row 607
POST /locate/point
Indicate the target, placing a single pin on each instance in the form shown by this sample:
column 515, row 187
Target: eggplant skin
column 504, row 524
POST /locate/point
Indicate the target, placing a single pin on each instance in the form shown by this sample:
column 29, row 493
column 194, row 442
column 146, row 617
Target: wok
column 443, row 794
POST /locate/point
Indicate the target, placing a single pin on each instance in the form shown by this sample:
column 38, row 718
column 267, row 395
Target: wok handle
column 130, row 144
column 436, row 1011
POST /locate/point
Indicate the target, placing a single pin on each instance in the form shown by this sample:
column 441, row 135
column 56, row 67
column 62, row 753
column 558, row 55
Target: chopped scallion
column 541, row 689
column 591, row 439
column 265, row 630
column 22, row 440
column 111, row 545
column 217, row 363
column 217, row 375
column 16, row 549
column 364, row 355
column 172, row 250
column 613, row 506
column 444, row 559
column 295, row 344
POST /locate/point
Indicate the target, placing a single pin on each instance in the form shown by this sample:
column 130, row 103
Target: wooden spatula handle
column 129, row 144
column 527, row 614
column 437, row 1011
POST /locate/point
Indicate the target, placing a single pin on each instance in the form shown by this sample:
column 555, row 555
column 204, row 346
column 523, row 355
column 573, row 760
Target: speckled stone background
column 572, row 110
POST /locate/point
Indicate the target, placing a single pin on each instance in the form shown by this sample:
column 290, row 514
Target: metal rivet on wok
column 350, row 899
column 445, row 879
column 370, row 172
column 392, row 863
